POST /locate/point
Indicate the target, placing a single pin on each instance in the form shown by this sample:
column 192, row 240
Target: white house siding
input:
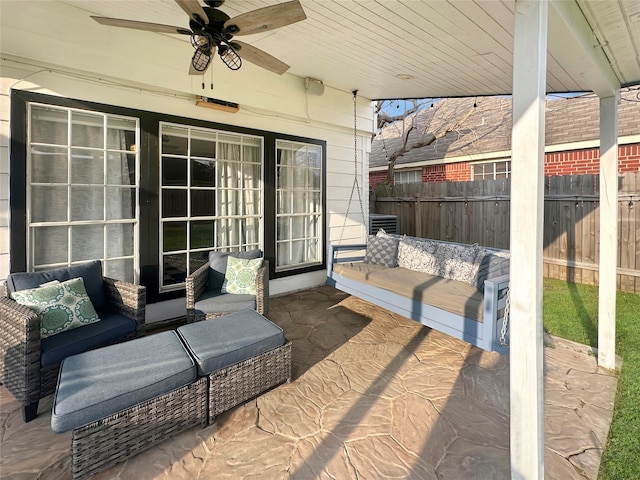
column 148, row 71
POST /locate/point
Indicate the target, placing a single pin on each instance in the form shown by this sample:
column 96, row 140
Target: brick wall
column 575, row 162
column 457, row 172
column 629, row 158
column 434, row 173
column 587, row 161
column 376, row 177
column 449, row 172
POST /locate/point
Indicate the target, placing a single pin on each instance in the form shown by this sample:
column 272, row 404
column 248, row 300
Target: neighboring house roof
column 465, row 130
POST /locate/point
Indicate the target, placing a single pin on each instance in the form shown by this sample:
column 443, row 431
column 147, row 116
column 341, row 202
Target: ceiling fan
column 212, row 30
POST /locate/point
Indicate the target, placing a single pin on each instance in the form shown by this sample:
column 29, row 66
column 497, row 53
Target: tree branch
column 425, row 138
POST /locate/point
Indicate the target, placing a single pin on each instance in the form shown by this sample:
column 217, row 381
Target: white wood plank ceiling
column 418, row 48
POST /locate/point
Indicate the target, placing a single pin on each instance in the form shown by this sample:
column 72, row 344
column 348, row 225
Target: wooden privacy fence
column 478, row 212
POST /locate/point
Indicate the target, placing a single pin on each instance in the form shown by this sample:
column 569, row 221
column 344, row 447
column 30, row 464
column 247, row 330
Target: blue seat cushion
column 218, row 265
column 227, row 340
column 99, row 383
column 111, row 328
column 217, row 302
column 91, row 273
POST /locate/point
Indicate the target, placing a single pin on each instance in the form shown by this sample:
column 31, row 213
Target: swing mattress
column 453, row 296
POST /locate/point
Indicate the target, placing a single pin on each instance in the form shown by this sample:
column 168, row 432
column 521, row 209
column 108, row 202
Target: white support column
column 608, row 231
column 527, row 202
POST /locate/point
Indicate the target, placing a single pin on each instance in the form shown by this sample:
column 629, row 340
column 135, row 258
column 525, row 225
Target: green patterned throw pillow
column 61, row 306
column 240, row 276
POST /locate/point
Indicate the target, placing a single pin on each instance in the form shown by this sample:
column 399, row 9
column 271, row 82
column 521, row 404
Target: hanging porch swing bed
column 460, row 290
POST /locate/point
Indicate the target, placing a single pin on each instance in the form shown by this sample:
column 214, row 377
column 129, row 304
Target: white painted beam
column 527, row 202
column 600, row 76
column 608, row 231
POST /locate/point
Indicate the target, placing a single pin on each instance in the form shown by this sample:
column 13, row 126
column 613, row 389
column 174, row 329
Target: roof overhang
column 400, row 49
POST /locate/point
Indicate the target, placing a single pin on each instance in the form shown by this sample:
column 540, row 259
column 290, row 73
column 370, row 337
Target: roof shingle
column 462, row 130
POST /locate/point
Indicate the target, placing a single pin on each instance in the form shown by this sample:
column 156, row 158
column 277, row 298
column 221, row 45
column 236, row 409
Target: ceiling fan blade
column 199, row 62
column 260, row 58
column 151, row 27
column 266, row 18
column 193, row 8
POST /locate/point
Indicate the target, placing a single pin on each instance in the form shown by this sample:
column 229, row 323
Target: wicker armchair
column 21, row 347
column 197, row 287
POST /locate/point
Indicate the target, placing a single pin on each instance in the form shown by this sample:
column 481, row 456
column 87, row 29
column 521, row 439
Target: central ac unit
column 389, row 223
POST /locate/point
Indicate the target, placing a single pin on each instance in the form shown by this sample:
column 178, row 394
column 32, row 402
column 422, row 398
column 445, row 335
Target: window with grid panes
column 82, row 189
column 407, row 176
column 211, row 197
column 491, row 170
column 299, row 216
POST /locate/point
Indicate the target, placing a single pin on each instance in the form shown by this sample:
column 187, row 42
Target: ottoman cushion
column 227, row 340
column 98, row 383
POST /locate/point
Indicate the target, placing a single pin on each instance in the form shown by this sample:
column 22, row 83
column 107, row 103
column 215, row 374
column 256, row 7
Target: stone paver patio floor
column 373, row 396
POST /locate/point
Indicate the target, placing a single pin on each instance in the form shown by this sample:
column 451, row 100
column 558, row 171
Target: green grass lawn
column 571, row 312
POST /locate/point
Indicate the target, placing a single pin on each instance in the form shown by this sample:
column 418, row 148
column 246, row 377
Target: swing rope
column 356, row 186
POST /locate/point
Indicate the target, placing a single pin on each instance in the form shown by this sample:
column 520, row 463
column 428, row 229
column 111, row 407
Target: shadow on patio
column 373, row 396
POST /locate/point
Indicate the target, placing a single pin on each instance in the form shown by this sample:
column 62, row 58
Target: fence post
column 417, row 217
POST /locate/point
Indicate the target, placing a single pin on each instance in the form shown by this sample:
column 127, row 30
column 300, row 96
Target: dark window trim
column 149, row 220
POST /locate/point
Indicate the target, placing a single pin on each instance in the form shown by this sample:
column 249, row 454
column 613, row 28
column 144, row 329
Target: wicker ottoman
column 126, row 398
column 243, row 354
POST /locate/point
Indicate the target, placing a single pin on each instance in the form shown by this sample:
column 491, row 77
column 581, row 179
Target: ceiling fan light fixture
column 202, row 42
column 230, row 57
column 200, row 61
